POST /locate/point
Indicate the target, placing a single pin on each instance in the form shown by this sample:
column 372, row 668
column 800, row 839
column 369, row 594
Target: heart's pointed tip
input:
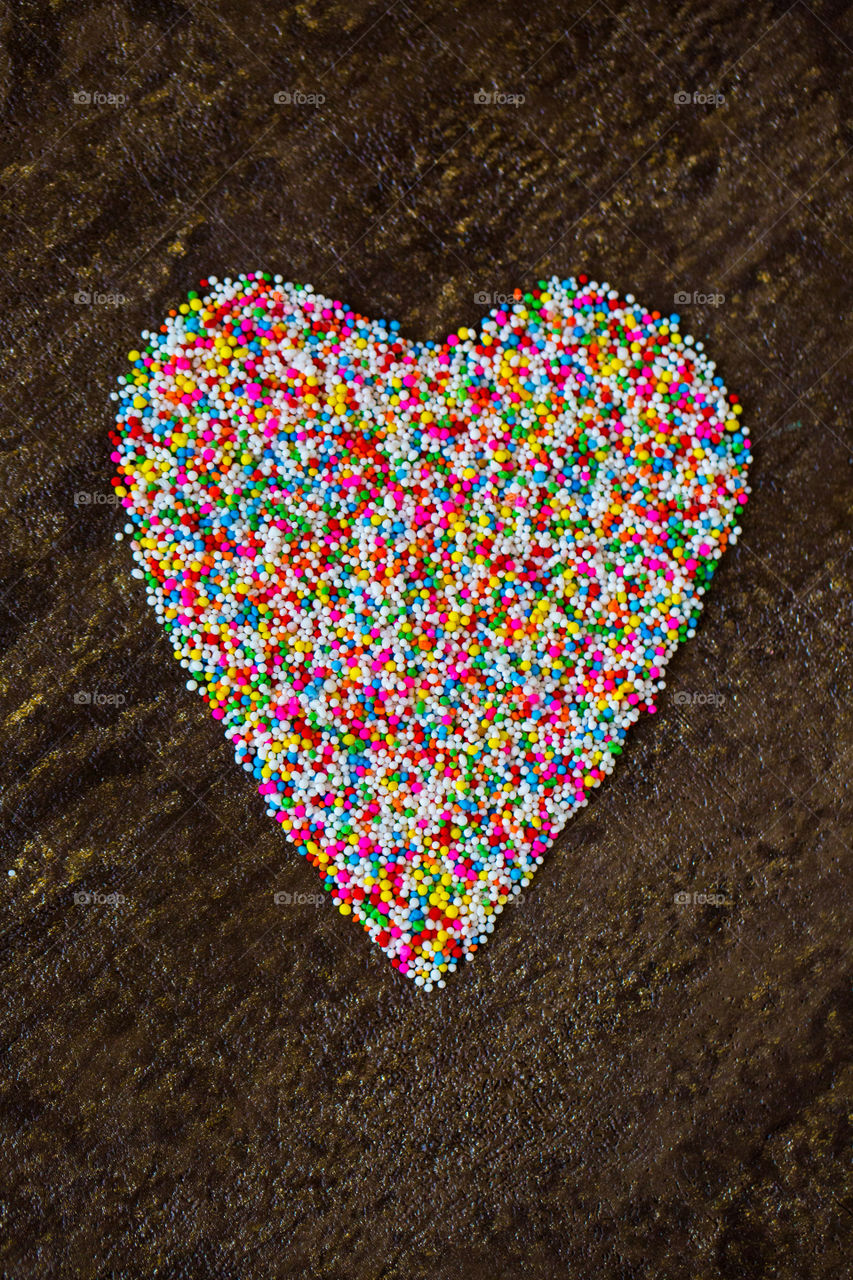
column 426, row 588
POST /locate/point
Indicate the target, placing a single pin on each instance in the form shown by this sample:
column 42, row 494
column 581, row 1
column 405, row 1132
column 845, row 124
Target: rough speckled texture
column 202, row 1082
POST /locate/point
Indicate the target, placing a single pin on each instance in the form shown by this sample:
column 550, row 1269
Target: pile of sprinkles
column 426, row 587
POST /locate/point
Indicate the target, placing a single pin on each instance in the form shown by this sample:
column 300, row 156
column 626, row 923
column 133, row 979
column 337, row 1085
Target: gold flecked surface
column 202, row 1081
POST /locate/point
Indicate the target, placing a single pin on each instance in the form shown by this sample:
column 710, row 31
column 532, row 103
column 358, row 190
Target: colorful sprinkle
column 426, row 588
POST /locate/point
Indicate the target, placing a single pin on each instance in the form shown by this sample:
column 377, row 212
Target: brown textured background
column 198, row 1082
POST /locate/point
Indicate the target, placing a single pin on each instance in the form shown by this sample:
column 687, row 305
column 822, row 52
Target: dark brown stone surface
column 199, row 1082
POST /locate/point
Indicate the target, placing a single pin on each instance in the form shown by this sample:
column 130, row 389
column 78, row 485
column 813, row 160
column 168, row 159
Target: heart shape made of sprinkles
column 426, row 587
